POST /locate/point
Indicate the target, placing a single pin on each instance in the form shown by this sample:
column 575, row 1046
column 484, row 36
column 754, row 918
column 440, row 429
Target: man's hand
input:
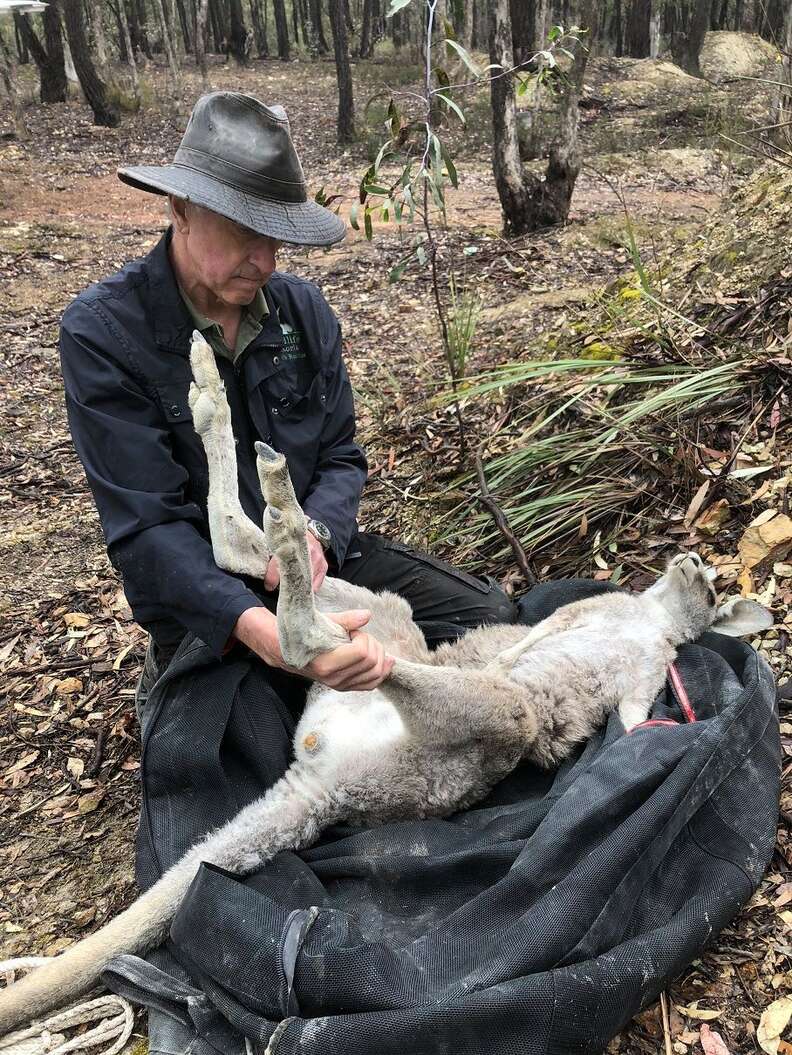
column 318, row 565
column 359, row 665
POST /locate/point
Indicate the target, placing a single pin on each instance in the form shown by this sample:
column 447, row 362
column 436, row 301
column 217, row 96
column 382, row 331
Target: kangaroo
column 434, row 737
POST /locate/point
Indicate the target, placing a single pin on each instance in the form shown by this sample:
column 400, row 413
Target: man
column 236, row 193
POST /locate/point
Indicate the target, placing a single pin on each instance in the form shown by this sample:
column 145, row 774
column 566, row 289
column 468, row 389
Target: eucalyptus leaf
column 463, row 54
column 396, row 6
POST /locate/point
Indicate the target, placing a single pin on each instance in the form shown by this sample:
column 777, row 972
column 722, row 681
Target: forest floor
column 69, row 652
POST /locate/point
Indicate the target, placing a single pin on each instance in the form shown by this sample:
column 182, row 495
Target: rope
column 47, row 1037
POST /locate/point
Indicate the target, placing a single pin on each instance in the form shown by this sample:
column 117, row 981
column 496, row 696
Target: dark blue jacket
column 125, row 357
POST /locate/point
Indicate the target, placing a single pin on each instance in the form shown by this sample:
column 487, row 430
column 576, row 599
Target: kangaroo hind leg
column 237, row 543
column 304, row 633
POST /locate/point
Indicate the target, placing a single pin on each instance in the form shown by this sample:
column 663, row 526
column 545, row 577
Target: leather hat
column 237, row 159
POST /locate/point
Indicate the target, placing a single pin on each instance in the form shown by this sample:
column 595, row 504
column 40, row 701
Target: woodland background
column 579, row 317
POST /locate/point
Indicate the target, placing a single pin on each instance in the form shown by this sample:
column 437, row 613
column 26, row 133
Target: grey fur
column 434, row 737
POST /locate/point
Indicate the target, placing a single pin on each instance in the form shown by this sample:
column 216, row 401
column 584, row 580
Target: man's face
column 232, row 262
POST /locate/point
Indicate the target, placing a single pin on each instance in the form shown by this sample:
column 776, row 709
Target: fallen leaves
column 712, row 1042
column 772, row 1024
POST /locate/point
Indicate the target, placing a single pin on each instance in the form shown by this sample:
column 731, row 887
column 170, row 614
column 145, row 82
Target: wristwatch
column 319, row 531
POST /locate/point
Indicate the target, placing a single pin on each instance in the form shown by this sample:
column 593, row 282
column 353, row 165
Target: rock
column 766, row 541
column 726, row 55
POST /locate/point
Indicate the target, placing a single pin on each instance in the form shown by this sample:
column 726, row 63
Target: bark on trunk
column 523, row 16
column 528, row 202
column 637, row 38
column 167, row 45
column 49, row 59
column 105, row 113
column 686, row 45
column 184, row 22
column 618, row 28
column 365, row 30
column 784, row 112
column 346, row 104
column 466, row 26
column 317, row 27
column 238, row 43
column 100, row 42
column 281, row 29
column 201, row 13
column 8, row 77
column 259, row 29
column 126, row 35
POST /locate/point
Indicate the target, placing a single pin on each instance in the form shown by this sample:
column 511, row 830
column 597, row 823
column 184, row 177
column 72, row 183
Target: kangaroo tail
column 140, row 927
column 290, row 815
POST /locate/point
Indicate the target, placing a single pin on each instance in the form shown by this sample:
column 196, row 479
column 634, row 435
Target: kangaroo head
column 688, row 596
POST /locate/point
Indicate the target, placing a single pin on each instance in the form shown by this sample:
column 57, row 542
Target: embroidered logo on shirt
column 292, row 345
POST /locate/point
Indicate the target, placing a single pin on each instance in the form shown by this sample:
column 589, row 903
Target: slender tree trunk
column 637, row 37
column 784, row 111
column 619, row 28
column 105, row 113
column 259, row 29
column 22, row 52
column 543, row 15
column 466, row 27
column 8, row 77
column 295, row 30
column 217, row 27
column 167, row 44
column 365, row 30
column 686, row 46
column 281, row 29
column 346, row 105
column 199, row 35
column 53, row 41
column 527, row 201
column 142, row 24
column 523, row 19
column 52, row 72
column 238, row 39
column 126, row 35
column 184, row 23
column 100, row 41
column 317, row 27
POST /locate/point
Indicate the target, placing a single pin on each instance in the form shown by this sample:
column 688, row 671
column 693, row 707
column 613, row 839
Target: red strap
column 681, row 693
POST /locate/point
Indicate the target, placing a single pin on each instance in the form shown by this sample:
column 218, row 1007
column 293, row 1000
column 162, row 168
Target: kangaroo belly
column 339, row 730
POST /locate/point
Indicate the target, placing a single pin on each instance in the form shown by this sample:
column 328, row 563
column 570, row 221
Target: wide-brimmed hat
column 237, row 158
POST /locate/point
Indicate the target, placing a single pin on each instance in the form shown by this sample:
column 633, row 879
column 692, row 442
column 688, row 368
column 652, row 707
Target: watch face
column 319, row 529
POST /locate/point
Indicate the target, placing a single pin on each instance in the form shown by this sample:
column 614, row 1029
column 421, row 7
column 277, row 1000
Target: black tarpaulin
column 541, row 920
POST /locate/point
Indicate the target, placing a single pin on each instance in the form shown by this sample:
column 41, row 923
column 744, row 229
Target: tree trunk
column 199, row 35
column 100, row 42
column 218, row 33
column 184, row 22
column 52, row 72
column 317, row 28
column 686, row 45
column 123, row 23
column 8, row 77
column 783, row 134
column 618, row 28
column 105, row 113
column 238, row 42
column 295, row 29
column 259, row 29
column 141, row 22
column 22, row 51
column 466, row 27
column 543, row 16
column 637, row 38
column 281, row 29
column 523, row 20
column 346, row 104
column 365, row 30
column 167, row 44
column 527, row 201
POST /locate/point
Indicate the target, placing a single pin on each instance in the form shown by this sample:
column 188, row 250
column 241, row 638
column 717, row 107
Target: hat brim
column 299, row 223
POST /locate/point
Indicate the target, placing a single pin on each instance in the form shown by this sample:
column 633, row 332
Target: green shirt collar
column 249, row 327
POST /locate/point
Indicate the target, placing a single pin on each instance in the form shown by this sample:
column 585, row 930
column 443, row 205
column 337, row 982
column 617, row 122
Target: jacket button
column 276, row 359
column 284, row 401
column 175, row 410
column 323, row 397
column 274, row 410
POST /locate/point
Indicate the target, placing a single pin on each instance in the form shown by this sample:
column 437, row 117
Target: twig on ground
column 669, row 1050
column 489, row 503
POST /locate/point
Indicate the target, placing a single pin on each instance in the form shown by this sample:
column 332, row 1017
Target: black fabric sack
column 541, row 920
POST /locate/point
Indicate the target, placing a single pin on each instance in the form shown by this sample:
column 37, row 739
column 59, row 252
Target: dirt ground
column 69, row 653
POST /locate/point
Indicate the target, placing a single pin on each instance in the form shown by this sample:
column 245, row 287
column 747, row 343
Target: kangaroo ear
column 739, row 617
